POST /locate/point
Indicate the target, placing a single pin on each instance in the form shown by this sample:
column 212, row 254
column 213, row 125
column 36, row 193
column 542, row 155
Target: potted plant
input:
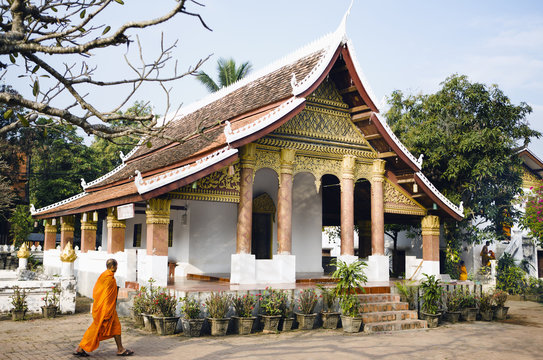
column 139, row 306
column 288, row 316
column 330, row 317
column 453, row 301
column 408, row 293
column 272, row 304
column 485, row 306
column 51, row 301
column 164, row 317
column 307, row 300
column 431, row 300
column 350, row 278
column 244, row 319
column 18, row 300
column 192, row 323
column 469, row 306
column 218, row 305
column 150, row 307
column 500, row 311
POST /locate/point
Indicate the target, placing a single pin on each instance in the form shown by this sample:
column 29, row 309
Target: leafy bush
column 53, row 299
column 244, row 305
column 18, row 299
column 485, row 301
column 218, row 304
column 431, row 294
column 469, row 300
column 307, row 301
column 512, row 280
column 454, row 300
column 350, row 278
column 350, row 305
column 165, row 304
column 500, row 297
column 139, row 305
column 190, row 308
column 534, row 286
column 273, row 302
column 408, row 293
column 328, row 298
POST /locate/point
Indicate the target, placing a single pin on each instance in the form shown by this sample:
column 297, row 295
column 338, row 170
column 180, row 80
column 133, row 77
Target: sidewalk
column 519, row 337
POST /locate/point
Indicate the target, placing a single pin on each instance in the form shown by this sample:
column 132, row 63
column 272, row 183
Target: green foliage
column 190, row 308
column 307, row 300
column 408, row 292
column 431, row 294
column 218, row 304
column 21, row 224
column 227, row 72
column 534, row 286
column 165, row 303
column 244, row 305
column 469, row 134
column 485, row 301
column 329, row 298
column 350, row 278
column 273, row 302
column 469, row 300
column 500, row 297
column 53, row 298
column 18, row 299
column 512, row 280
column 453, row 300
column 6, row 189
column 350, row 305
column 140, row 303
column 533, row 215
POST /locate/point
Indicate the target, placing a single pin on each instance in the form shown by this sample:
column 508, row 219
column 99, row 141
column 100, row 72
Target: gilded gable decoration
column 263, row 204
column 397, row 201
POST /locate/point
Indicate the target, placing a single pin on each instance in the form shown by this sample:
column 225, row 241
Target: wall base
column 245, row 269
column 242, row 269
column 378, row 268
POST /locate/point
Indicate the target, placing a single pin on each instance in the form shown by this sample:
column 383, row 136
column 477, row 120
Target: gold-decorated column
column 377, row 208
column 245, row 206
column 347, row 205
column 430, row 238
column 115, row 231
column 88, row 232
column 158, row 219
column 284, row 203
column 50, row 235
column 66, row 230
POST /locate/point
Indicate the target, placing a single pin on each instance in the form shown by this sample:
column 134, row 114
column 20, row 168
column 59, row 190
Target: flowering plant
column 485, row 302
column 139, row 306
column 307, row 301
column 190, row 308
column 53, row 298
column 469, row 300
column 454, row 300
column 533, row 216
column 218, row 304
column 273, row 302
column 165, row 303
column 18, row 299
column 500, row 297
column 244, row 305
column 329, row 298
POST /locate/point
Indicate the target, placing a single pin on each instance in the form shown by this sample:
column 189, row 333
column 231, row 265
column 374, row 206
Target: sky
column 407, row 45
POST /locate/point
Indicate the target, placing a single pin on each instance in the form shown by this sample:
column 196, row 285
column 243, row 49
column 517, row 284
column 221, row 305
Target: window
column 137, row 236
column 170, row 234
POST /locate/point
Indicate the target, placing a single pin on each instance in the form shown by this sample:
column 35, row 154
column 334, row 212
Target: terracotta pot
column 243, row 325
column 165, row 325
column 286, row 323
column 305, row 321
column 271, row 323
column 218, row 326
column 192, row 327
column 49, row 312
column 17, row 315
column 431, row 319
column 469, row 314
column 330, row 320
column 452, row 316
column 149, row 322
column 351, row 324
column 500, row 313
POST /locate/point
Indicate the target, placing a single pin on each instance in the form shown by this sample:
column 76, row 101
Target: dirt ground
column 518, row 337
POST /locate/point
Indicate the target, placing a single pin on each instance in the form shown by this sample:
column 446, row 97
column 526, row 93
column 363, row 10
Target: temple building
column 267, row 162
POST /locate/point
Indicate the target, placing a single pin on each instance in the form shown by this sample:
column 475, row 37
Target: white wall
column 306, row 224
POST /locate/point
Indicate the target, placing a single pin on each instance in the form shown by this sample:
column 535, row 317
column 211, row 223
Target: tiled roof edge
column 361, row 74
column 33, row 210
column 459, row 210
column 168, row 177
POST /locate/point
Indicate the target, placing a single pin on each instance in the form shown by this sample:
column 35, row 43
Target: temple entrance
column 540, row 263
column 262, row 228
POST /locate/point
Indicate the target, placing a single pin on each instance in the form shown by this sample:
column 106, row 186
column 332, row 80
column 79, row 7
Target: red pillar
column 50, row 235
column 245, row 206
column 158, row 219
column 284, row 203
column 347, row 206
column 115, row 232
column 88, row 233
column 66, row 231
column 377, row 208
column 430, row 238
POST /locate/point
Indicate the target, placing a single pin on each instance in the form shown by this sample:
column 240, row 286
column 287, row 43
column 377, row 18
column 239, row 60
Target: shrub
column 273, row 302
column 454, row 300
column 139, row 305
column 485, row 301
column 244, row 305
column 511, row 280
column 190, row 308
column 328, row 298
column 165, row 303
column 534, row 286
column 469, row 300
column 53, row 298
column 218, row 304
column 350, row 305
column 307, row 301
column 18, row 299
column 500, row 297
column 408, row 293
column 431, row 294
column 350, row 278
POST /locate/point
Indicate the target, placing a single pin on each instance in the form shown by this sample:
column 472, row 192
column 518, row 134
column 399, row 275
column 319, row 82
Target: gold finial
column 68, row 254
column 23, row 252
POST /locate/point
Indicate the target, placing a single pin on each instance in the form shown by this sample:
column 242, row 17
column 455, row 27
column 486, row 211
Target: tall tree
column 469, row 134
column 6, row 189
column 227, row 74
column 40, row 38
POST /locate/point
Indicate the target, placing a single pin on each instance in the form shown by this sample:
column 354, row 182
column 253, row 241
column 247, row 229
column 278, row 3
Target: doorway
column 262, row 228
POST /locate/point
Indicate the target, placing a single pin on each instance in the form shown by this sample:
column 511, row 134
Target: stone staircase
column 385, row 312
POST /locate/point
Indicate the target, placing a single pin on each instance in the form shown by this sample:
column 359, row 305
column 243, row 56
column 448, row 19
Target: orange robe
column 105, row 322
column 463, row 273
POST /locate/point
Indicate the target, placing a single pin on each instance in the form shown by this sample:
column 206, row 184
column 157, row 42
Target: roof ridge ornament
column 83, row 184
column 227, row 131
column 419, row 160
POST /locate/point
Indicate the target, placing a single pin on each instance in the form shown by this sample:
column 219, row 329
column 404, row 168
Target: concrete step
column 383, row 316
column 383, row 306
column 375, row 298
column 377, row 327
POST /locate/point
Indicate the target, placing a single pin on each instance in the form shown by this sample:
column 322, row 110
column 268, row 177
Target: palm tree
column 228, row 74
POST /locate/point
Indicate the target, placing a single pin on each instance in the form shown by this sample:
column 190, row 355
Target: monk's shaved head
column 111, row 263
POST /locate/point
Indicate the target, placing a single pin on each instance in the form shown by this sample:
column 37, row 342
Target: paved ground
column 518, row 337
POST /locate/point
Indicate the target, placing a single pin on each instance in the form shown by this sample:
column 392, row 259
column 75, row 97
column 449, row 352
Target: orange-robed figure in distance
column 105, row 322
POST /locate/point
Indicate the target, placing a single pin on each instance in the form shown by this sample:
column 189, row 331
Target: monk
column 485, row 258
column 105, row 322
column 463, row 271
